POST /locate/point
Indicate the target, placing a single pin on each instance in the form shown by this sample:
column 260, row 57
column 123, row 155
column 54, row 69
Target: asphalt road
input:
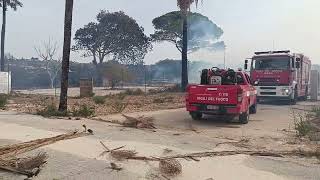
column 79, row 158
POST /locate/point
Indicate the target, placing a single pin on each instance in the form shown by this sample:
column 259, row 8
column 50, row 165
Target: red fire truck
column 280, row 75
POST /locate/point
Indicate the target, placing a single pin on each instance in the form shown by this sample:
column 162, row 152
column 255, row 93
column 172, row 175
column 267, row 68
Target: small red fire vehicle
column 222, row 92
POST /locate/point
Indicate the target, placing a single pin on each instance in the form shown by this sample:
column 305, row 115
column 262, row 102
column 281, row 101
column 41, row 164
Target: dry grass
column 113, row 103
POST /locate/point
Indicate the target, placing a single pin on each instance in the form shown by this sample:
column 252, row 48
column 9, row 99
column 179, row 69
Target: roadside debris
column 243, row 143
column 170, row 167
column 141, row 122
column 115, row 167
column 30, row 166
column 117, row 153
column 15, row 149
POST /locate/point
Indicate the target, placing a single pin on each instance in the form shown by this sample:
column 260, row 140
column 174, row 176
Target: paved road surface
column 79, row 158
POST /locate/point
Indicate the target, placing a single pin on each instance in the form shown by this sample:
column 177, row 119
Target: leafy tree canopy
column 114, row 35
column 202, row 32
column 14, row 4
column 116, row 73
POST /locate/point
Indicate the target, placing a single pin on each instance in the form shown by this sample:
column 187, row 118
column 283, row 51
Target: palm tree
column 66, row 56
column 184, row 6
column 13, row 4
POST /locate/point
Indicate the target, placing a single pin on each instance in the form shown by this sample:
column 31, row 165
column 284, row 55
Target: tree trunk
column 3, row 33
column 63, row 106
column 184, row 71
column 51, row 83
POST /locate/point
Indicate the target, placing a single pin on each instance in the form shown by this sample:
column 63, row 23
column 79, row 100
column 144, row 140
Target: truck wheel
column 253, row 109
column 244, row 118
column 196, row 116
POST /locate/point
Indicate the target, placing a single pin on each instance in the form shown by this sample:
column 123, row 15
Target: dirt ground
column 32, row 103
column 272, row 128
column 75, row 92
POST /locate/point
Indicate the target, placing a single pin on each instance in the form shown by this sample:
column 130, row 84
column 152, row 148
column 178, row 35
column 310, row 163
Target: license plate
column 212, row 107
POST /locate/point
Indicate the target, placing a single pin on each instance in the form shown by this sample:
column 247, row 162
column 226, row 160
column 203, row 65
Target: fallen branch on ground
column 117, row 153
column 29, row 166
column 194, row 156
column 142, row 122
column 243, row 143
column 15, row 149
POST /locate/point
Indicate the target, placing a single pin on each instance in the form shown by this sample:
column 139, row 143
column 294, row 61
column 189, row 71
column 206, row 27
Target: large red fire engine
column 280, row 75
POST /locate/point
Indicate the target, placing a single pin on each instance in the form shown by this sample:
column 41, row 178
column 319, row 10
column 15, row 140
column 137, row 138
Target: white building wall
column 5, row 82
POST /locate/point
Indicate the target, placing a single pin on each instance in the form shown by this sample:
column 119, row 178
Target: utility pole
column 224, row 58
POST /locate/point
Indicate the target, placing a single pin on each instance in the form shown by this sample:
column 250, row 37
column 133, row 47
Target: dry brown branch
column 122, row 154
column 29, row 166
column 242, row 143
column 142, row 122
column 193, row 156
column 118, row 154
column 15, row 149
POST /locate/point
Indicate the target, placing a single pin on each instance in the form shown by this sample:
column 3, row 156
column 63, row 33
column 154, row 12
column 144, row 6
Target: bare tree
column 48, row 54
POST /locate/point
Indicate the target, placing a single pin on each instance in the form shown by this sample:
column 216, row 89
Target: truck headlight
column 256, row 82
column 285, row 91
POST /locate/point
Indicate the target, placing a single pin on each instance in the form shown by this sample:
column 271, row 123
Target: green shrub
column 99, row 99
column 83, row 111
column 302, row 125
column 316, row 111
column 3, row 101
column 51, row 111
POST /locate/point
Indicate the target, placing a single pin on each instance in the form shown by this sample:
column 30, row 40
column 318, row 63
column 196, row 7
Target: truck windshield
column 278, row 63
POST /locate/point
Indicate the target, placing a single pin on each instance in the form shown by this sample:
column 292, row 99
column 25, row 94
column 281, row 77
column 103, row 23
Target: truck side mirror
column 246, row 64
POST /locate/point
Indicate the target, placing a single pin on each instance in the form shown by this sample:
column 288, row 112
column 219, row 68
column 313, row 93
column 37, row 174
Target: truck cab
column 280, row 75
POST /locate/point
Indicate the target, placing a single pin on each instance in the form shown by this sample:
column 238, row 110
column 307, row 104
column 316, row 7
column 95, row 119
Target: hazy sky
column 249, row 25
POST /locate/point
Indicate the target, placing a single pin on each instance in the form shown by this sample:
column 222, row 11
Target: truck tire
column 253, row 109
column 244, row 118
column 196, row 116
